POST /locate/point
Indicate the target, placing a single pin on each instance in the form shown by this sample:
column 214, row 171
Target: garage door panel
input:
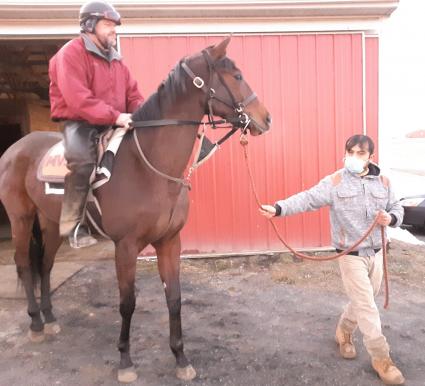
column 313, row 86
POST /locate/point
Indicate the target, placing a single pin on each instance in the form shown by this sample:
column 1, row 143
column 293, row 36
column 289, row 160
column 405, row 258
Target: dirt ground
column 259, row 320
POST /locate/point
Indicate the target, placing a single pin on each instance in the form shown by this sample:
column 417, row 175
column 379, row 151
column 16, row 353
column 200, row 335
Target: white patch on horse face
column 165, row 285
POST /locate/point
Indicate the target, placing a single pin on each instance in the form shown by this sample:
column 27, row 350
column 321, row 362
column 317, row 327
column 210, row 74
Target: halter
column 241, row 122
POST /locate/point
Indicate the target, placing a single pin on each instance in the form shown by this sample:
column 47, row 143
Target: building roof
column 68, row 9
column 49, row 18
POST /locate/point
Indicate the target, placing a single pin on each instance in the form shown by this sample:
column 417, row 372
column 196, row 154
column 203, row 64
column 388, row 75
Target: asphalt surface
column 245, row 322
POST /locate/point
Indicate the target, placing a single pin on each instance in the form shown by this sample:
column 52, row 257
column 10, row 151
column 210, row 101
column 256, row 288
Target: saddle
column 52, row 168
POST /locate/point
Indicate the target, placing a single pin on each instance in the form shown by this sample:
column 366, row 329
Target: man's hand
column 124, row 120
column 384, row 218
column 268, row 211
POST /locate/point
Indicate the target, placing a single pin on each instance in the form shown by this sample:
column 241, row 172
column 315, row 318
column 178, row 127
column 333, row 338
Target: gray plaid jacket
column 354, row 202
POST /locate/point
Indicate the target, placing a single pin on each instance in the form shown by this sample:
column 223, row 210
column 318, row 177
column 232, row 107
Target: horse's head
column 228, row 94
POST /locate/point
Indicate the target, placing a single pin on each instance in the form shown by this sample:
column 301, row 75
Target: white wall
column 402, row 96
column 402, row 70
column 402, row 77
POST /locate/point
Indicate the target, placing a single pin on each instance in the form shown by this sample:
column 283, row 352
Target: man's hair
column 360, row 140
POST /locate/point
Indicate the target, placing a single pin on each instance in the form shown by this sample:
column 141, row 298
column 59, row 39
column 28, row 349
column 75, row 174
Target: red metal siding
column 312, row 85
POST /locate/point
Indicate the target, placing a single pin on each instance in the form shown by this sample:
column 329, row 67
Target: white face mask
column 354, row 164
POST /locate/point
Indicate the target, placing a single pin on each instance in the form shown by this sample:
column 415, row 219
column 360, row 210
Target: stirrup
column 80, row 241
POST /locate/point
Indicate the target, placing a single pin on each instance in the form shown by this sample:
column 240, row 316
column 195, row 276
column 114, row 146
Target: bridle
column 240, row 122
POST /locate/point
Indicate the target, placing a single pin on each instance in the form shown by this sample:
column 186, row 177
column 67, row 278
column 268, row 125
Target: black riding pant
column 80, row 141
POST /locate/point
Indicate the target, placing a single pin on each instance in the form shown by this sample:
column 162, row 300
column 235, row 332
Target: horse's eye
column 238, row 77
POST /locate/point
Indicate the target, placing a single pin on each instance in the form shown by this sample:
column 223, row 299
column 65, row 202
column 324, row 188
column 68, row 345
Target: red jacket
column 85, row 85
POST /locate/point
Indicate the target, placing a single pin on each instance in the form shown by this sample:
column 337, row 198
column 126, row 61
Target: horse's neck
column 169, row 147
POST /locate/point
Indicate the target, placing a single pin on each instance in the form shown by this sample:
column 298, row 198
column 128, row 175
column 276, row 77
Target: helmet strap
column 89, row 25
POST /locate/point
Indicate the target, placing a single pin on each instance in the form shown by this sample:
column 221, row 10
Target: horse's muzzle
column 256, row 129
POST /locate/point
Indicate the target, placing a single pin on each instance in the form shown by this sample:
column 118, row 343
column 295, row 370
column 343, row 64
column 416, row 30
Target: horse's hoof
column 127, row 375
column 52, row 328
column 36, row 336
column 186, row 373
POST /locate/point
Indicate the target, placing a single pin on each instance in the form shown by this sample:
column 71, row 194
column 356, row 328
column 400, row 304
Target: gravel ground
column 259, row 320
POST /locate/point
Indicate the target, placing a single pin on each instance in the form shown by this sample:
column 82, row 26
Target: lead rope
column 244, row 143
column 385, row 267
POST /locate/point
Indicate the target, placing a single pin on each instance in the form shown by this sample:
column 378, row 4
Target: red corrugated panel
column 312, row 85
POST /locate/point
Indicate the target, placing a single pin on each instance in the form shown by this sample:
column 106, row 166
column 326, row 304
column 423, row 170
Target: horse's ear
column 219, row 50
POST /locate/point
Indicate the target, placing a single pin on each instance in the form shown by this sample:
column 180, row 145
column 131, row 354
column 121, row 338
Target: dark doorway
column 9, row 134
column 24, row 94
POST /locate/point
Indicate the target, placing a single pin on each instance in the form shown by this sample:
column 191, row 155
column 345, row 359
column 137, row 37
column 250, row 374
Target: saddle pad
column 52, row 167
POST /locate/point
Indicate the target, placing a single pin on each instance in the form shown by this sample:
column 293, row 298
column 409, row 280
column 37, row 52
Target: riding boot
column 80, row 141
column 74, row 201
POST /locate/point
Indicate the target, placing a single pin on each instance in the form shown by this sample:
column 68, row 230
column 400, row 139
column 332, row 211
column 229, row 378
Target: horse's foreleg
column 168, row 253
column 125, row 261
column 51, row 242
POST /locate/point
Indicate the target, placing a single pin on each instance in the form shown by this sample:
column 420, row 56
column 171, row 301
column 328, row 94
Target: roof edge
column 291, row 9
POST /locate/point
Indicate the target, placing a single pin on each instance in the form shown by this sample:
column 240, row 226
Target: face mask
column 354, row 164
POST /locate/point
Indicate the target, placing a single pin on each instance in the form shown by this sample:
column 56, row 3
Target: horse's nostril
column 269, row 119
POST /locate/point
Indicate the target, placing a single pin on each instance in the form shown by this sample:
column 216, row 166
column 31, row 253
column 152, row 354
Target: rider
column 355, row 194
column 91, row 89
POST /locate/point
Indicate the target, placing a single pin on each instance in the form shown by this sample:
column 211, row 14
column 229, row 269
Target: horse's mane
column 169, row 90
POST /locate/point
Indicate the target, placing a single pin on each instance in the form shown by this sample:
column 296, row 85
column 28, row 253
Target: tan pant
column 362, row 277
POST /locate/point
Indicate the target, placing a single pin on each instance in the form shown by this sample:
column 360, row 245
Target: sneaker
column 80, row 237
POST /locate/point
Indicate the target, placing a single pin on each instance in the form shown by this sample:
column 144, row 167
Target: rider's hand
column 268, row 211
column 384, row 218
column 124, row 120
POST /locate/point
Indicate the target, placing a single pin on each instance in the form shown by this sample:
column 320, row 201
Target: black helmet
column 93, row 11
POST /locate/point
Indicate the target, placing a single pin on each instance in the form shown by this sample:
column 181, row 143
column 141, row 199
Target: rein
column 244, row 143
column 182, row 181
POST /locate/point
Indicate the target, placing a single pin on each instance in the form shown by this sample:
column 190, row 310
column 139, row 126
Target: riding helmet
column 93, row 11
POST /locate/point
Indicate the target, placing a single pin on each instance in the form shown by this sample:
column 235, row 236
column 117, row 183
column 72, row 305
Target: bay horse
column 151, row 209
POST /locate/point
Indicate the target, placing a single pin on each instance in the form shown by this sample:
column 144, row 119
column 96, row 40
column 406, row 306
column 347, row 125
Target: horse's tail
column 36, row 251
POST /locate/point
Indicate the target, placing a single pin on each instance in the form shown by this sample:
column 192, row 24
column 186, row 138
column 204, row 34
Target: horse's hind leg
column 168, row 253
column 51, row 241
column 22, row 221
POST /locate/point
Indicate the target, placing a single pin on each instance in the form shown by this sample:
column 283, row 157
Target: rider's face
column 105, row 33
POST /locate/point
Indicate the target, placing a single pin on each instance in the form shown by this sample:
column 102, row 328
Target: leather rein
column 240, row 122
column 244, row 143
